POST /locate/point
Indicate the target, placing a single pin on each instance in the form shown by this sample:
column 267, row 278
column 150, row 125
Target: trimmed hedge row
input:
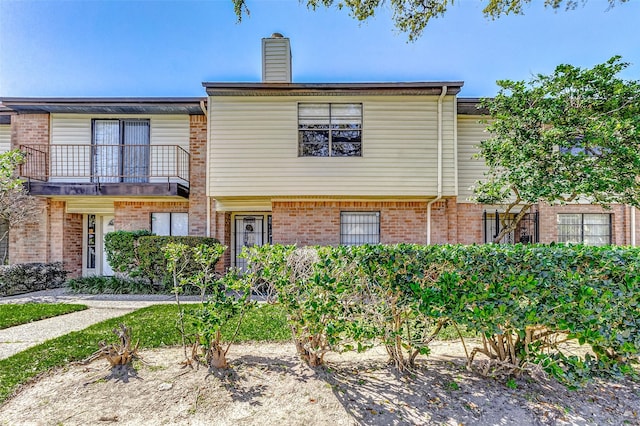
column 26, row 277
column 523, row 301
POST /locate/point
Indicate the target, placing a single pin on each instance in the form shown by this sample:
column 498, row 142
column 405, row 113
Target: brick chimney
column 276, row 59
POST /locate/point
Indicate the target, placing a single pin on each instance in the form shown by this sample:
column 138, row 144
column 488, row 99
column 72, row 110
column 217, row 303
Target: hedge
column 26, row 277
column 523, row 301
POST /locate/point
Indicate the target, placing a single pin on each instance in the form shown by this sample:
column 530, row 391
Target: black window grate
column 359, row 228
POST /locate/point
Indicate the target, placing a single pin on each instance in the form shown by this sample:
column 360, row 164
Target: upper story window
column 329, row 130
column 592, row 229
column 121, row 150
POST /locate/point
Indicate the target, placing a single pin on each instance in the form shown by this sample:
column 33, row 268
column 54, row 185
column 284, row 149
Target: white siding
column 470, row 133
column 254, row 149
column 75, row 129
column 5, row 138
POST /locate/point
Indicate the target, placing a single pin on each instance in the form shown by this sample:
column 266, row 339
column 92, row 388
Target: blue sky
column 168, row 48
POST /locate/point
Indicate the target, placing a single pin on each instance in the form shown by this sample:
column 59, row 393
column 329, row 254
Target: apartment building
column 270, row 162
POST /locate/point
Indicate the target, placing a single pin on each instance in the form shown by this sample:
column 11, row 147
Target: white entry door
column 107, row 226
column 95, row 255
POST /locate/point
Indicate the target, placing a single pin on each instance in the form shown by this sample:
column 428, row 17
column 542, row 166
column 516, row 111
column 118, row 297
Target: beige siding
column 276, row 57
column 470, row 170
column 75, row 129
column 5, row 138
column 254, row 149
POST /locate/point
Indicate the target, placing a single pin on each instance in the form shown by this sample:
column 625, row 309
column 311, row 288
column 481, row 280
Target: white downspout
column 633, row 226
column 439, row 196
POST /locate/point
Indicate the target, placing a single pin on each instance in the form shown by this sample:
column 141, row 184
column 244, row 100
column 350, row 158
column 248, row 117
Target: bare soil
column 268, row 385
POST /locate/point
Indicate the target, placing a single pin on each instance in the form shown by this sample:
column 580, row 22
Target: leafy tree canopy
column 560, row 137
column 412, row 16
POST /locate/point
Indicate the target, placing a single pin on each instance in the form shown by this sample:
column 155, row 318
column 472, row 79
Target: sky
column 153, row 48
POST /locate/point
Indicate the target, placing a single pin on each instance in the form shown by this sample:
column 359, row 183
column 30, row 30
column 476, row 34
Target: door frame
column 265, row 217
column 98, row 244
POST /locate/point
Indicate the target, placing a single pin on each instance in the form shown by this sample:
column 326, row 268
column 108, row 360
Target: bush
column 153, row 263
column 523, row 301
column 109, row 285
column 121, row 251
column 27, row 277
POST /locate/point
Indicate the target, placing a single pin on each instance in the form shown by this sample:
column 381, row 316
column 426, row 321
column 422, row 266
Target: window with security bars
column 588, row 228
column 359, row 228
column 329, row 130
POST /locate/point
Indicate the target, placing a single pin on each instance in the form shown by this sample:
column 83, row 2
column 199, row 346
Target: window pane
column 135, row 160
column 106, row 141
column 359, row 228
column 346, row 149
column 346, row 116
column 313, row 116
column 569, row 228
column 161, row 223
column 597, row 229
column 179, row 224
column 313, row 143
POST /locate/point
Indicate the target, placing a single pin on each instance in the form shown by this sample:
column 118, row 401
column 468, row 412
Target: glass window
column 330, row 130
column 176, row 224
column 590, row 228
column 359, row 228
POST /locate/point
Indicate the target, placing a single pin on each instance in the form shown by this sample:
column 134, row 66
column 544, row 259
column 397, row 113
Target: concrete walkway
column 101, row 307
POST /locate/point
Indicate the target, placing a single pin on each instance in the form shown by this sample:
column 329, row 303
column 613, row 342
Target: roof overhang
column 471, row 106
column 324, row 89
column 190, row 106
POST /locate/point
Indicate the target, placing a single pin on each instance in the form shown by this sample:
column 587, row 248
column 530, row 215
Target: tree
column 16, row 205
column 412, row 16
column 574, row 134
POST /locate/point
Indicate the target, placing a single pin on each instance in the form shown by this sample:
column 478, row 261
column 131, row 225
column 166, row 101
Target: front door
column 249, row 231
column 95, row 255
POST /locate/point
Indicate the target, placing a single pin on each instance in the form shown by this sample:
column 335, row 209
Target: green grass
column 154, row 326
column 16, row 314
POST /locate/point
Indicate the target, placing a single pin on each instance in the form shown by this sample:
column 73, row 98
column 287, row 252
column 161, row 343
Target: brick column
column 198, row 175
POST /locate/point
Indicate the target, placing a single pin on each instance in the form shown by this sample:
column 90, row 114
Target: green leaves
column 523, row 300
column 572, row 134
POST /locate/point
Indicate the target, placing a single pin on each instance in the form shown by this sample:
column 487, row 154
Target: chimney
column 276, row 59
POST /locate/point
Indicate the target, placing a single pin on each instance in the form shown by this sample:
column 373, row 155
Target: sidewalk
column 101, row 307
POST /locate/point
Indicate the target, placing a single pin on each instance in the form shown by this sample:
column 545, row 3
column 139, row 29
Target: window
column 120, row 150
column 170, row 223
column 330, row 130
column 359, row 228
column 591, row 229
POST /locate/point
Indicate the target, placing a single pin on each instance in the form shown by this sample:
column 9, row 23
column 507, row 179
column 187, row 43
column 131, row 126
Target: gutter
column 439, row 196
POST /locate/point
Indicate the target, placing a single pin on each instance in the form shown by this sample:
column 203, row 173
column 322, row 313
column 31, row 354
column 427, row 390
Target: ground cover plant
column 153, row 327
column 16, row 314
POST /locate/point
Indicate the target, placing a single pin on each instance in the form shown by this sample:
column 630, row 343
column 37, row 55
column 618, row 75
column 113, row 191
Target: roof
column 317, row 89
column 471, row 106
column 189, row 106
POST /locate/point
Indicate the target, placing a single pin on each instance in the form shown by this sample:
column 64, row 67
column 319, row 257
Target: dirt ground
column 268, row 385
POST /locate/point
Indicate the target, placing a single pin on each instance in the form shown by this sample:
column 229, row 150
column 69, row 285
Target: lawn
column 154, row 326
column 16, row 314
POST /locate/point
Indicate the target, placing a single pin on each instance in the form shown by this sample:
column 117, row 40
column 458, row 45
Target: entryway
column 248, row 231
column 95, row 256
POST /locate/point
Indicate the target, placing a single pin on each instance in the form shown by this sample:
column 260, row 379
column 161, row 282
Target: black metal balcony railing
column 105, row 163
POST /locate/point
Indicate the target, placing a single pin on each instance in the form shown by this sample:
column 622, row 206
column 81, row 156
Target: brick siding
column 136, row 215
column 198, row 175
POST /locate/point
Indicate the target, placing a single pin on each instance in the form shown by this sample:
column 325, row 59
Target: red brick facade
column 198, row 175
column 136, row 215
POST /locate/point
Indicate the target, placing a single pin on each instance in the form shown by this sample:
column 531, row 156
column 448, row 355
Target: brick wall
column 65, row 241
column 136, row 215
column 620, row 221
column 29, row 129
column 318, row 222
column 221, row 230
column 197, row 179
column 29, row 242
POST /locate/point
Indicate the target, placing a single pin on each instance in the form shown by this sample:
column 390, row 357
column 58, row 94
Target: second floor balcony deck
column 115, row 170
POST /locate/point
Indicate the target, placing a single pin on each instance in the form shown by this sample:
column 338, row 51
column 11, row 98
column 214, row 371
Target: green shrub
column 121, row 251
column 27, row 277
column 152, row 262
column 523, row 301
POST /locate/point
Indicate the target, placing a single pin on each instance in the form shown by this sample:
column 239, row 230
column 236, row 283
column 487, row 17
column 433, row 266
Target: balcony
column 109, row 170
